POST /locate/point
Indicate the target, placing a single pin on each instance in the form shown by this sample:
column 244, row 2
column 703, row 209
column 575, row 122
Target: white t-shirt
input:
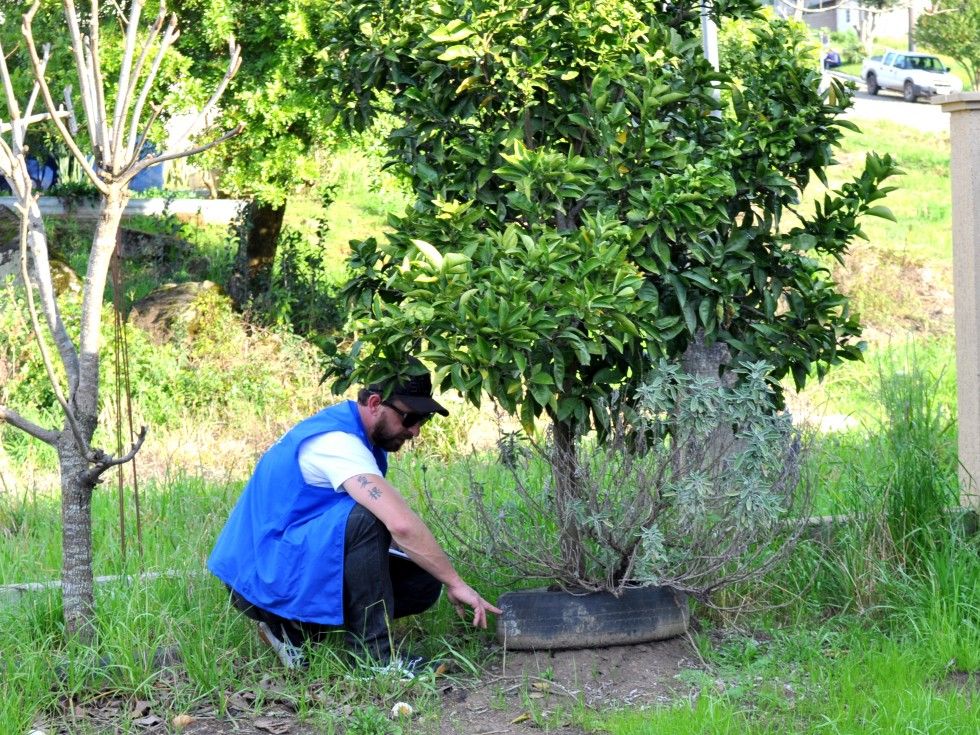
column 329, row 460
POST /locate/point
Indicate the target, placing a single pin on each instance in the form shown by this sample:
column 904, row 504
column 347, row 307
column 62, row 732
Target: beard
column 389, row 437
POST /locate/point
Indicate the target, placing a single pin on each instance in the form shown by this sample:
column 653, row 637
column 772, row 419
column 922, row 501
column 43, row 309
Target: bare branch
column 154, row 160
column 105, row 461
column 234, row 62
column 39, row 117
column 72, row 120
column 124, row 91
column 138, row 70
column 85, row 78
column 15, row 169
column 26, row 202
column 9, row 416
column 46, row 54
column 102, row 118
column 8, row 87
column 169, row 36
column 138, row 148
column 49, row 101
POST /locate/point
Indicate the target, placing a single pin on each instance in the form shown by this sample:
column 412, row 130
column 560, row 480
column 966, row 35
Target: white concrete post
column 964, row 124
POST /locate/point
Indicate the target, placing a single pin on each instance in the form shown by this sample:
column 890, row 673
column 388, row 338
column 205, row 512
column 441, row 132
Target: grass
column 188, row 612
column 879, row 625
column 862, row 683
column 362, row 198
column 874, row 638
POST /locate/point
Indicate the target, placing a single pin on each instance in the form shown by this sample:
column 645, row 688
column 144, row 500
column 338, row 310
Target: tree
column 869, row 11
column 952, row 27
column 587, row 205
column 279, row 96
column 118, row 122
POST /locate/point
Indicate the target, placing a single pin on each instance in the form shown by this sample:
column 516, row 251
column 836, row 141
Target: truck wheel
column 908, row 91
column 873, row 84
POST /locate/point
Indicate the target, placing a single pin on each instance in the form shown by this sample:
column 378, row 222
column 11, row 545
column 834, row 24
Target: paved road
column 921, row 115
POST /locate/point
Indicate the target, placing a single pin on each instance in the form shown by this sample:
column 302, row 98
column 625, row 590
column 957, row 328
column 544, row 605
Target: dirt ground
column 535, row 692
column 522, row 693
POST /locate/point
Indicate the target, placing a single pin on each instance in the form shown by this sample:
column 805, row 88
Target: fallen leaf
column 238, row 702
column 276, row 727
column 523, row 717
column 182, row 721
column 535, row 695
column 148, row 721
column 140, row 709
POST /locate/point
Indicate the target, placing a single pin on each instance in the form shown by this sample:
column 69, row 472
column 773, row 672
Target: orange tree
column 592, row 196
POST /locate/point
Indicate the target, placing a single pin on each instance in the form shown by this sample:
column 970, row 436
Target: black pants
column 378, row 587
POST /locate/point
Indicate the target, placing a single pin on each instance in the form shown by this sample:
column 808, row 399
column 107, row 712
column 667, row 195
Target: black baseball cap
column 414, row 392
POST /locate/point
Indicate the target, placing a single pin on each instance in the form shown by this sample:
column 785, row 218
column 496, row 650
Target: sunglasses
column 409, row 418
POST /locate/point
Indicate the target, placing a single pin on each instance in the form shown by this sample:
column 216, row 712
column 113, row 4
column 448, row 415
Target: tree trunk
column 706, row 362
column 76, row 484
column 257, row 251
column 78, row 597
column 568, row 487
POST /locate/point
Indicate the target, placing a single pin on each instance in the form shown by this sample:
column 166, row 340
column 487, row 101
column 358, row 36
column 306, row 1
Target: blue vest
column 282, row 548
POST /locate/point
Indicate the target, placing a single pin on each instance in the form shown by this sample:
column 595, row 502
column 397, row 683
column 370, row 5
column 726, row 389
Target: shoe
column 407, row 667
column 292, row 657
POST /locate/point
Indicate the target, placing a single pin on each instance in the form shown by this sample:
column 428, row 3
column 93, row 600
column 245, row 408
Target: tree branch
column 105, row 461
column 39, row 117
column 24, row 206
column 85, row 80
column 154, row 160
column 169, row 36
column 9, row 416
column 234, row 62
column 164, row 43
column 15, row 169
column 27, row 31
column 124, row 90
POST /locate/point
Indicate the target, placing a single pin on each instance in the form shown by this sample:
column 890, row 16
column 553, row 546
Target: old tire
column 872, row 81
column 908, row 91
column 547, row 620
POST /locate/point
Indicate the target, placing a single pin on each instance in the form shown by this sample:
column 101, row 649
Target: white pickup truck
column 914, row 75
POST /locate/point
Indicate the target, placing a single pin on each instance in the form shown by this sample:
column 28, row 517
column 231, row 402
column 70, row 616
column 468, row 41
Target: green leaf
column 453, row 32
column 881, row 211
column 459, row 51
column 542, row 393
column 542, row 378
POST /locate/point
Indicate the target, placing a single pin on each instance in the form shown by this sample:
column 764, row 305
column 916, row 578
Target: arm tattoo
column 373, row 490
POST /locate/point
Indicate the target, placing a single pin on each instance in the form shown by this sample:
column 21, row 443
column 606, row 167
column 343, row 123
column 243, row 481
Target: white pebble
column 402, row 709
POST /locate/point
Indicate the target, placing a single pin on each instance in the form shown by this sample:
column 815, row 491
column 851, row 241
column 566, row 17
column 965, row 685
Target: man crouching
column 319, row 540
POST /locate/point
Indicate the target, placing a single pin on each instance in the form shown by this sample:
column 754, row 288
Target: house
column 841, row 15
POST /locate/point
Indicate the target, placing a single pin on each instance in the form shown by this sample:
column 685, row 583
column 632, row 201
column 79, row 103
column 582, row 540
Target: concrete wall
column 964, row 124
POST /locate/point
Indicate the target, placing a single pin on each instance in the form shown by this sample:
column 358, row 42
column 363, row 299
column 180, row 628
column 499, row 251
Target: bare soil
column 521, row 693
column 538, row 691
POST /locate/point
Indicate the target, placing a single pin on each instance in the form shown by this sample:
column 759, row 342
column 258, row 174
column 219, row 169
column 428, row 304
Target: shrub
column 668, row 498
